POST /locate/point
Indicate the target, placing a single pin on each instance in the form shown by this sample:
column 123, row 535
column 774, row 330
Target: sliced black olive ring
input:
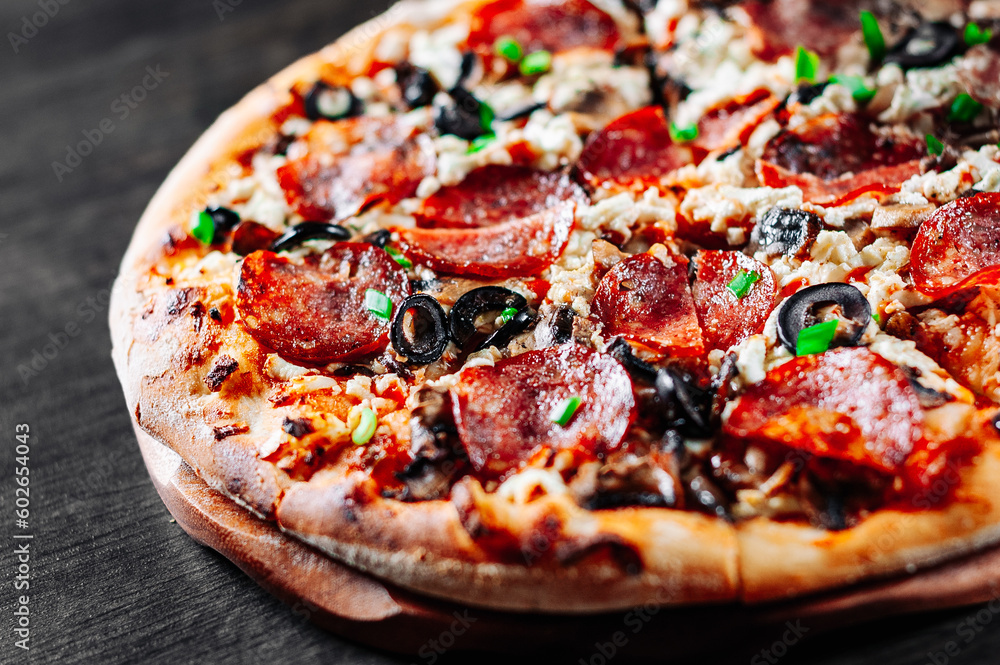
column 685, row 405
column 332, row 102
column 508, row 331
column 429, row 336
column 299, row 233
column 929, row 45
column 799, row 312
column 784, row 231
column 477, row 302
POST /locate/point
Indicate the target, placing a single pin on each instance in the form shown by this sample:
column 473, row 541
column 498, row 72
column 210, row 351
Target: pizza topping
column 212, row 224
column 958, row 246
column 733, row 295
column 314, row 310
column 847, row 404
column 365, row 430
column 378, row 304
column 504, row 412
column 542, row 25
column 420, row 329
column 634, row 149
column 332, row 102
column 648, row 300
column 979, row 71
column 351, row 164
column 778, row 27
column 801, row 313
column 468, row 118
column 249, row 236
column 417, row 86
column 835, row 155
column 872, row 34
column 565, row 410
column 928, row 45
column 470, row 313
column 785, row 232
column 731, row 123
column 303, row 231
column 497, row 193
column 517, row 248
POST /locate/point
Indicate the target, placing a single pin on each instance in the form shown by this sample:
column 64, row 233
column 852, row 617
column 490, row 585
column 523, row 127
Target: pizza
column 579, row 305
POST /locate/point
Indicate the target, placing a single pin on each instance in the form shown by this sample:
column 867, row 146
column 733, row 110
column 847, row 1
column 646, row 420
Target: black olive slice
column 464, row 118
column 299, row 233
column 477, row 302
column 378, row 238
column 621, row 351
column 223, row 221
column 430, row 329
column 928, row 45
column 806, row 93
column 798, row 312
column 332, row 102
column 417, row 85
column 561, row 324
column 685, row 405
column 465, row 70
column 508, row 331
column 522, row 112
column 784, row 232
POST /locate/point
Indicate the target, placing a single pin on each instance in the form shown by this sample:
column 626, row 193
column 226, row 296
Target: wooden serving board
column 373, row 612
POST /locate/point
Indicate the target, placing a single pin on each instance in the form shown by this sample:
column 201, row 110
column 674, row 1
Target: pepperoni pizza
column 576, row 305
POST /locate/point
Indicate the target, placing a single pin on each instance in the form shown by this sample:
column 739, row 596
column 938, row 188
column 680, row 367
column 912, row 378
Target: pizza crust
column 162, row 354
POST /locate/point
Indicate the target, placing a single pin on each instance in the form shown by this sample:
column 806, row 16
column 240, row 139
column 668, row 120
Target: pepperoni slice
column 836, row 154
column 633, row 150
column 847, row 404
column 646, row 300
column 732, row 122
column 339, row 168
column 979, row 71
column 497, row 193
column 725, row 319
column 314, row 311
column 778, row 27
column 504, row 413
column 549, row 25
column 519, row 248
column 959, row 245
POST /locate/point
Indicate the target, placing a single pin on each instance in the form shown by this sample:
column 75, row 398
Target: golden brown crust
column 580, row 561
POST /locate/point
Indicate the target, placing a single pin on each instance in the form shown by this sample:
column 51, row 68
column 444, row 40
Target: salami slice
column 517, row 248
column 314, row 311
column 648, row 300
column 778, row 27
column 506, row 412
column 549, row 25
column 350, row 164
column 728, row 315
column 958, row 246
column 847, row 404
column 497, row 193
column 632, row 151
column 836, row 154
column 731, row 123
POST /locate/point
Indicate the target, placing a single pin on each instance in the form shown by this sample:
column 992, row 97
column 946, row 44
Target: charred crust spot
column 214, row 314
column 177, row 300
column 297, row 427
column 224, row 366
column 624, row 554
column 197, row 313
column 224, row 432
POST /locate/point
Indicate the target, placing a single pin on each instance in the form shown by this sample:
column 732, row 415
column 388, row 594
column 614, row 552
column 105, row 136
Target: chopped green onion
column 816, row 339
column 976, row 35
column 934, row 147
column 399, row 257
column 481, row 142
column 486, row 116
column 378, row 304
column 508, row 314
column 509, row 48
column 856, row 84
column 806, row 65
column 363, row 433
column 876, row 318
column 873, row 36
column 683, row 134
column 202, row 227
column 563, row 413
column 741, row 284
column 964, row 109
column 538, row 62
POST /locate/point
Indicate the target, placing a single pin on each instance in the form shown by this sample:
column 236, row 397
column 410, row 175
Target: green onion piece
column 964, row 109
column 399, row 257
column 976, row 35
column 508, row 314
column 683, row 134
column 563, row 413
column 934, row 147
column 816, row 339
column 806, row 65
column 486, row 116
column 481, row 142
column 856, row 84
column 378, row 304
column 538, row 62
column 876, row 318
column 741, row 284
column 509, row 48
column 873, row 36
column 363, row 433
column 202, row 227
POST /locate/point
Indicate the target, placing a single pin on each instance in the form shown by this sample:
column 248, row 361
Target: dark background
column 113, row 578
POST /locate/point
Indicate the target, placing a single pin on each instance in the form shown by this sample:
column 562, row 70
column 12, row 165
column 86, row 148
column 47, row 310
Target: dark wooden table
column 112, row 578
